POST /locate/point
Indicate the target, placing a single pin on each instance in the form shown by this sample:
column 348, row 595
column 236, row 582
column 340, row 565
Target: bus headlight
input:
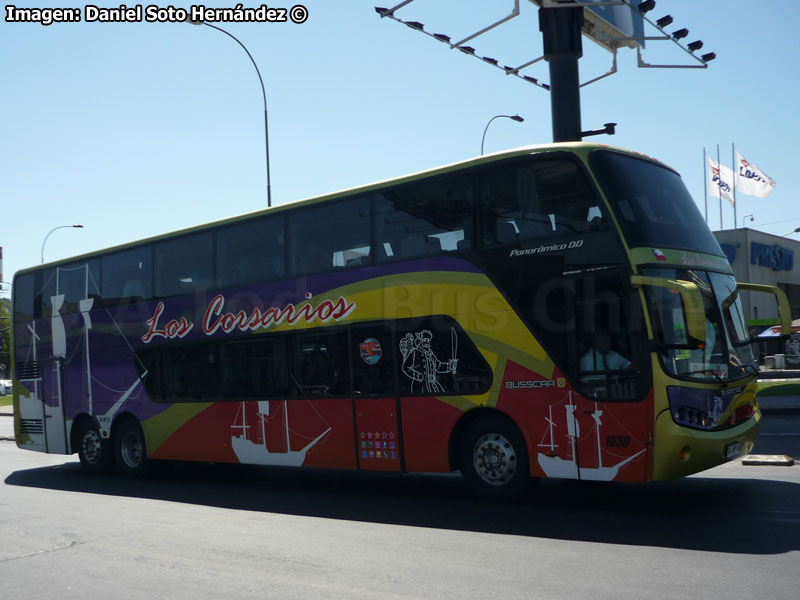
column 698, row 409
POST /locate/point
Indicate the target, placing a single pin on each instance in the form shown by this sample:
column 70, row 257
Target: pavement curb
column 769, row 460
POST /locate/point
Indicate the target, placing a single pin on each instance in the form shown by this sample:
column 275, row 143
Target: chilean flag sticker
column 659, row 255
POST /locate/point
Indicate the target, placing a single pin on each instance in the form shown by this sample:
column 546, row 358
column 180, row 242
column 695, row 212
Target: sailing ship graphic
column 249, row 451
column 555, row 466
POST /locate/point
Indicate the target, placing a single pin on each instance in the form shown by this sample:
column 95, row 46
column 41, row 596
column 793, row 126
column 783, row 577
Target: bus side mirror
column 784, row 311
column 693, row 307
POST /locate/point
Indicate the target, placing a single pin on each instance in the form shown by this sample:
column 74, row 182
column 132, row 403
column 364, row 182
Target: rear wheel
column 94, row 451
column 494, row 459
column 130, row 449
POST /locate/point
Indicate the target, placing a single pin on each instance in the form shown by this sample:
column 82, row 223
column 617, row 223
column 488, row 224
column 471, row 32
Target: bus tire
column 494, row 459
column 130, row 449
column 94, row 452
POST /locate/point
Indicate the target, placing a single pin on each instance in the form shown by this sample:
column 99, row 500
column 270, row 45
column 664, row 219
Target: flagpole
column 719, row 166
column 705, row 182
column 735, row 172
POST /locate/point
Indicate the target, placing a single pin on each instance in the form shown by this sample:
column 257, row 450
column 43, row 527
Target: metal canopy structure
column 612, row 24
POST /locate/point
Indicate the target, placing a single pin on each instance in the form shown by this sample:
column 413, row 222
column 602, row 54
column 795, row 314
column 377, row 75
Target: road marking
column 45, row 551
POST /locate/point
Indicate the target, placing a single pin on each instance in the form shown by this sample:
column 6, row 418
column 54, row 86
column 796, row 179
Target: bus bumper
column 679, row 451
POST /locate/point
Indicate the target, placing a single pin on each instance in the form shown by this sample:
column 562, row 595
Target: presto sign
column 775, row 257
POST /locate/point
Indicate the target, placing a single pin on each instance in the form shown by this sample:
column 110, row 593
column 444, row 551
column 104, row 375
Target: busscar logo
column 536, row 384
column 543, row 249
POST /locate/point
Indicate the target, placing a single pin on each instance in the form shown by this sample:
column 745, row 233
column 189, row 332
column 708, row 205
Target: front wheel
column 94, row 451
column 494, row 459
column 130, row 449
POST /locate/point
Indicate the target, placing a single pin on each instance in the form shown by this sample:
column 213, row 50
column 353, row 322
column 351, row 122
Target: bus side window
column 435, row 356
column 608, row 364
column 255, row 369
column 324, row 238
column 534, row 199
column 250, row 252
column 24, row 298
column 76, row 282
column 319, row 363
column 46, row 281
column 416, row 220
column 372, row 359
column 190, row 372
column 127, row 276
column 184, row 265
column 510, row 205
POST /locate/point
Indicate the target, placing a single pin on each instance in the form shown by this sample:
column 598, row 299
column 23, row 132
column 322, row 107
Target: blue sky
column 137, row 129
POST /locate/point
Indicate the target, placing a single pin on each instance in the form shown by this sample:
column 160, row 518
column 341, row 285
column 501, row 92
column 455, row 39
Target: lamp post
column 751, row 217
column 263, row 93
column 791, row 232
column 54, row 229
column 516, row 118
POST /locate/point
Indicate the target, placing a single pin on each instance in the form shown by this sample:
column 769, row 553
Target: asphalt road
column 780, row 434
column 201, row 531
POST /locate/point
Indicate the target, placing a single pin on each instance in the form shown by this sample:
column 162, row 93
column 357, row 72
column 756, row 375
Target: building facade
column 758, row 257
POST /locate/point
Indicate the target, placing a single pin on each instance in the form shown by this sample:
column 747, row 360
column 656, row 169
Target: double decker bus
column 552, row 311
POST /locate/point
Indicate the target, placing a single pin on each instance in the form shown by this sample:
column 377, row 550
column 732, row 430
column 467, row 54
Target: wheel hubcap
column 90, row 445
column 132, row 449
column 494, row 459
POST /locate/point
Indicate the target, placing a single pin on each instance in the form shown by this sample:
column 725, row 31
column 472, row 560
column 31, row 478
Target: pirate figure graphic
column 422, row 366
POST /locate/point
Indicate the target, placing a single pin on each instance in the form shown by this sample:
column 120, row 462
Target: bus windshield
column 727, row 353
column 652, row 204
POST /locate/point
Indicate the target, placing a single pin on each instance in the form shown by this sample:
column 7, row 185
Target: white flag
column 720, row 187
column 751, row 180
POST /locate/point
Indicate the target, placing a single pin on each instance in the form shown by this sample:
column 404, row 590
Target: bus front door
column 378, row 445
column 608, row 355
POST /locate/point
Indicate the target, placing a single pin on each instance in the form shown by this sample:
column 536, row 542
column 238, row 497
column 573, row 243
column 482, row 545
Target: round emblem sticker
column 370, row 351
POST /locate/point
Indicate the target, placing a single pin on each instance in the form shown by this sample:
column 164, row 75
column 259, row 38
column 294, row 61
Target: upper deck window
column 128, row 275
column 330, row 236
column 652, row 203
column 24, row 298
column 250, row 252
column 425, row 219
column 184, row 265
column 535, row 199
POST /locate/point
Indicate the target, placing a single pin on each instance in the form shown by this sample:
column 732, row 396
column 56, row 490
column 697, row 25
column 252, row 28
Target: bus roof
column 575, row 147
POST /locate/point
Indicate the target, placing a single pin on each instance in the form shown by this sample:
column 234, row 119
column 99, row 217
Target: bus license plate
column 733, row 450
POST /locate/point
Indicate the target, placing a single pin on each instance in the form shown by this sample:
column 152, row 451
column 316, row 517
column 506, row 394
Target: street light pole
column 263, row 93
column 751, row 217
column 54, row 229
column 516, row 118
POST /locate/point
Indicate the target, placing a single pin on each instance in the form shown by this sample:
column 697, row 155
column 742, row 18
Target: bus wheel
column 494, row 459
column 94, row 451
column 130, row 450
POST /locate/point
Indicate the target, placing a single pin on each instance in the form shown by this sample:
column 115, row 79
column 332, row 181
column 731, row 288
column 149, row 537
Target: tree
column 5, row 338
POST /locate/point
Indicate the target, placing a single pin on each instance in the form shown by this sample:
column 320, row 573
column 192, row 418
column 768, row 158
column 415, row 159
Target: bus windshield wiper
column 751, row 366
column 708, row 372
